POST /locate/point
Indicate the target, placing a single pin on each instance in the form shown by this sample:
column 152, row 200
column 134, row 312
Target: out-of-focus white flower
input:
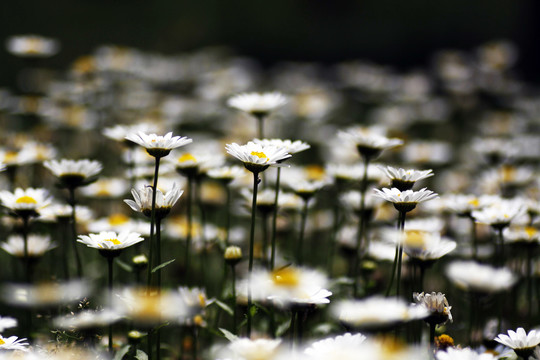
column 255, row 349
column 7, row 322
column 472, row 276
column 106, row 188
column 291, row 147
column 45, row 294
column 25, row 202
column 462, row 354
column 426, row 246
column 259, row 105
column 86, row 319
column 37, row 245
column 500, row 214
column 369, row 143
column 32, row 46
column 13, row 343
column 74, row 173
column 346, row 346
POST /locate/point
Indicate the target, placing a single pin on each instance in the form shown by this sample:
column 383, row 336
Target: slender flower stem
column 25, row 230
column 265, row 238
column 189, row 224
column 110, row 264
column 474, row 238
column 251, row 244
column 233, row 271
column 333, row 235
column 73, row 204
column 401, row 225
column 303, row 220
column 228, row 215
column 158, row 252
column 432, row 327
column 361, row 227
column 260, row 123
column 530, row 250
column 274, row 221
column 152, row 222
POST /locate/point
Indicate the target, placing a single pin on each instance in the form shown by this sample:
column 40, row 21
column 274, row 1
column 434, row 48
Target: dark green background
column 397, row 32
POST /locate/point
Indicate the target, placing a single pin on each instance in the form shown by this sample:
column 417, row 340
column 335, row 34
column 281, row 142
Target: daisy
column 106, row 188
column 226, row 174
column 521, row 342
column 472, row 276
column 7, row 322
column 86, row 319
column 13, row 343
column 339, row 347
column 354, row 172
column 156, row 145
column 25, row 202
column 451, row 353
column 369, row 143
column 74, row 173
column 256, row 104
column 405, row 201
column 256, row 349
column 292, row 147
column 45, row 294
column 32, row 46
column 377, row 312
column 107, row 241
column 437, row 305
column 37, row 245
column 405, row 179
column 426, row 246
column 501, row 214
column 164, row 202
column 120, row 132
column 257, row 157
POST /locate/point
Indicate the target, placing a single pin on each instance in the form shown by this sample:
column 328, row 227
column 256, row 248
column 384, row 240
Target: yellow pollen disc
column 198, row 320
column 415, row 239
column 114, row 241
column 259, row 154
column 2, row 342
column 118, row 219
column 10, row 156
column 186, row 157
column 530, row 231
column 315, row 172
column 26, row 200
column 202, row 300
column 474, row 202
column 285, row 277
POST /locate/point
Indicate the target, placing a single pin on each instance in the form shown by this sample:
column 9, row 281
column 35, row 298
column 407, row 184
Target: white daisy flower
column 106, row 188
column 157, row 145
column 226, row 173
column 74, row 173
column 86, row 319
column 437, row 304
column 405, row 200
column 45, row 294
column 354, row 172
column 292, row 147
column 7, row 322
column 472, row 276
column 377, row 312
column 500, row 214
column 25, row 202
column 405, row 179
column 164, row 202
column 369, row 144
column 462, row 354
column 110, row 241
column 256, row 104
column 426, row 245
column 32, row 46
column 521, row 342
column 120, row 132
column 339, row 347
column 37, row 245
column 257, row 157
column 13, row 343
column 256, row 349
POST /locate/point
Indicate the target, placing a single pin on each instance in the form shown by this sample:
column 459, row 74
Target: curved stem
column 152, row 223
column 251, row 243
column 274, row 221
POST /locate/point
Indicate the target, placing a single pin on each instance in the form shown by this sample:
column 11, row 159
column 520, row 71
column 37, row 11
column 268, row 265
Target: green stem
column 152, row 222
column 432, row 327
column 189, row 225
column 303, row 220
column 265, row 238
column 228, row 216
column 529, row 281
column 233, row 271
column 251, row 244
column 474, row 238
column 73, row 204
column 110, row 288
column 361, row 227
column 25, row 230
column 274, row 221
column 400, row 255
column 158, row 253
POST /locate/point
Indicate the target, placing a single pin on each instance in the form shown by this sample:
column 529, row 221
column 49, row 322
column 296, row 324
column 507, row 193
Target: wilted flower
column 437, row 305
column 164, row 202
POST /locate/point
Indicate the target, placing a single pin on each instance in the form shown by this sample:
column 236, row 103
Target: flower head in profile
column 370, row 144
column 74, row 173
column 472, row 276
column 340, row 347
column 25, row 202
column 226, row 174
column 109, row 243
column 255, row 349
column 292, row 147
column 403, row 179
column 405, row 200
column 13, row 343
column 451, row 353
column 164, row 202
column 32, row 46
column 437, row 305
column 499, row 214
column 521, row 342
column 37, row 245
column 120, row 132
column 257, row 157
column 256, row 104
column 426, row 245
column 7, row 322
column 156, row 145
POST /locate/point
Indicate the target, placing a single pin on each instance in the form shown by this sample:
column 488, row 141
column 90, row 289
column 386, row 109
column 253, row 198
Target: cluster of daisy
column 272, row 223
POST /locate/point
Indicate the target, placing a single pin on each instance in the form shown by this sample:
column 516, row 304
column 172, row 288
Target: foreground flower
column 110, row 241
column 462, row 354
column 74, row 173
column 377, row 312
column 257, row 157
column 164, row 202
column 25, row 202
column 157, row 145
column 86, row 319
column 405, row 179
column 405, row 201
column 13, row 343
column 343, row 346
column 257, row 349
column 521, row 342
column 472, row 276
column 256, row 104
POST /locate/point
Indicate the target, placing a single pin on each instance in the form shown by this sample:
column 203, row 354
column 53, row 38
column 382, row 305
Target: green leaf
column 253, row 311
column 225, row 307
column 228, row 335
column 160, row 266
column 123, row 265
column 120, row 354
column 282, row 329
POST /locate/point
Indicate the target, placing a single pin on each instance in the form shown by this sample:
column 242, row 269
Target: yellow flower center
column 474, row 202
column 415, row 239
column 259, row 154
column 202, row 300
column 285, row 277
column 187, row 157
column 2, row 342
column 26, row 200
column 114, row 241
column 118, row 219
column 198, row 320
column 10, row 156
column 315, row 172
column 530, row 231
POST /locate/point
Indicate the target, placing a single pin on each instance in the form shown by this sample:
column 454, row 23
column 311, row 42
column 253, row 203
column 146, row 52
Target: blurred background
column 403, row 34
